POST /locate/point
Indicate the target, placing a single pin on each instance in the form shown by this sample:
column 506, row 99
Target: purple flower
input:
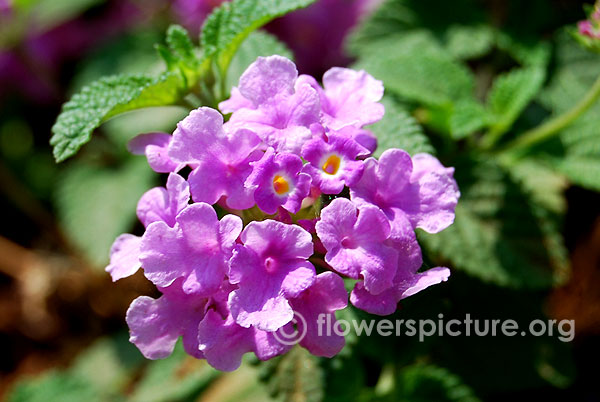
column 406, row 282
column 197, row 249
column 160, row 204
column 277, row 181
column 124, row 256
column 270, row 268
column 156, row 324
column 421, row 188
column 155, row 146
column 282, row 110
column 354, row 239
column 157, row 204
column 224, row 342
column 317, row 306
column 349, row 97
column 221, row 161
column 333, row 164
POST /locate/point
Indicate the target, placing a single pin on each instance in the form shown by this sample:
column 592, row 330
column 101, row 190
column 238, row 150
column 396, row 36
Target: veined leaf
column 467, row 117
column 502, row 233
column 414, row 66
column 511, row 93
column 226, row 28
column 106, row 98
column 398, row 129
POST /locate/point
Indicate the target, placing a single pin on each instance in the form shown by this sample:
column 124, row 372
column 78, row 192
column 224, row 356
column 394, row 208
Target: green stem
column 555, row 124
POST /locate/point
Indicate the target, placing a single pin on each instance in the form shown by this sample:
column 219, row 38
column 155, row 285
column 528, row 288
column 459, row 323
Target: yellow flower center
column 280, row 185
column 332, row 164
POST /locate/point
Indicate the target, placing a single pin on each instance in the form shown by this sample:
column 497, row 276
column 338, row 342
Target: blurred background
column 62, row 326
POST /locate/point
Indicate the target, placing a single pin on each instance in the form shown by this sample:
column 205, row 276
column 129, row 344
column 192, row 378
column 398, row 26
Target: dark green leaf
column 502, row 232
column 398, row 129
column 415, row 67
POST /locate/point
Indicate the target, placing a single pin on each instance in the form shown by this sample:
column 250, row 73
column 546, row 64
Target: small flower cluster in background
column 588, row 31
column 288, row 208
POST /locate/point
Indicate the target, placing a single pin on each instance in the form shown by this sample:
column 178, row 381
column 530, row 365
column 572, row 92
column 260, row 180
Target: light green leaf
column 469, row 42
column 414, row 66
column 106, row 98
column 581, row 170
column 295, row 376
column 226, row 28
column 468, row 116
column 257, row 44
column 95, row 204
column 398, row 129
column 511, row 93
column 176, row 378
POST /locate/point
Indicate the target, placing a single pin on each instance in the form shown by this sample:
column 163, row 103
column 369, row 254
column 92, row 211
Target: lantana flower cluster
column 287, row 209
column 591, row 27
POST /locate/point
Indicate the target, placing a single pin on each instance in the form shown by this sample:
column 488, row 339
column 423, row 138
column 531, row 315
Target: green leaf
column 415, row 67
column 295, row 376
column 257, row 44
column 468, row 116
column 511, row 93
column 469, row 42
column 95, row 204
column 181, row 54
column 403, row 16
column 428, row 383
column 398, row 129
column 176, row 378
column 503, row 233
column 576, row 70
column 225, row 29
column 106, row 98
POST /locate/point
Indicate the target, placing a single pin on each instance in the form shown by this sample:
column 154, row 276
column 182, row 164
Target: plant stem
column 555, row 124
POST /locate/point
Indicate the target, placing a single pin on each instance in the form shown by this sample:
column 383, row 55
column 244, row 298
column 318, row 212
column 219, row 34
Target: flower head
column 269, row 268
column 277, row 181
column 332, row 164
column 221, row 160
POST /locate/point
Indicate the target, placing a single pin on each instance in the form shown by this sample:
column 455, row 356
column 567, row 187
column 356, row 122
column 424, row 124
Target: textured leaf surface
column 430, row 383
column 579, row 158
column 226, row 28
column 415, row 67
column 511, row 93
column 398, row 129
column 501, row 233
column 106, row 98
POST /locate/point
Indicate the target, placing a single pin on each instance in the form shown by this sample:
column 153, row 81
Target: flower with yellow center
column 280, row 185
column 332, row 164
